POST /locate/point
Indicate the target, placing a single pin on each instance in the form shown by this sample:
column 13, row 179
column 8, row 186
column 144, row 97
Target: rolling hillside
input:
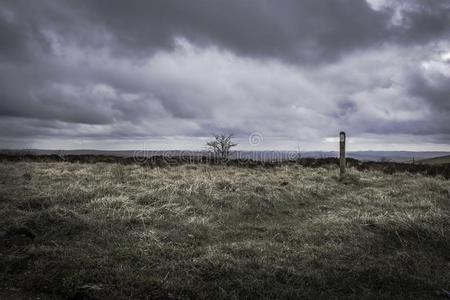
column 436, row 160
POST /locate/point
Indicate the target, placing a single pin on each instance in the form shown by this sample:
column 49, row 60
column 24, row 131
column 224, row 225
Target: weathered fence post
column 342, row 153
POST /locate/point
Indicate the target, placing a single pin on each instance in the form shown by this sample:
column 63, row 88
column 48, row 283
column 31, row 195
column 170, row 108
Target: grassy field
column 90, row 231
column 436, row 160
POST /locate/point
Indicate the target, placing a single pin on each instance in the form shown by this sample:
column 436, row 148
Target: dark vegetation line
column 165, row 161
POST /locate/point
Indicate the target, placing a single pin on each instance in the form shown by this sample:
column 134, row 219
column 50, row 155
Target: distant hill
column 385, row 156
column 436, row 160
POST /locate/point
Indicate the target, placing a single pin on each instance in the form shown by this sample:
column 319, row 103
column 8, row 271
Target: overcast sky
column 166, row 74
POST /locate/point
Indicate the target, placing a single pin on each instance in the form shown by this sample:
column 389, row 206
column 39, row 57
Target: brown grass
column 202, row 231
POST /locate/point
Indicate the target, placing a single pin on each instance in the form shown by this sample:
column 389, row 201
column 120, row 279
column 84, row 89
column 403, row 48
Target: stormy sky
column 166, row 74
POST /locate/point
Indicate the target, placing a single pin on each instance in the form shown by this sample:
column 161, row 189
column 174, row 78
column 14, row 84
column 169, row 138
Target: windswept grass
column 212, row 232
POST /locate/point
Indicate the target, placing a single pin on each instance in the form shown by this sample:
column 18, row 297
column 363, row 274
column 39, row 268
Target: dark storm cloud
column 287, row 29
column 17, row 38
column 107, row 68
column 303, row 31
column 434, row 91
column 12, row 40
column 431, row 23
column 420, row 21
column 48, row 103
column 435, row 95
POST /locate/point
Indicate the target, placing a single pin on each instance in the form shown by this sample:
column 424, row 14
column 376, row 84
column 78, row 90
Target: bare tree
column 221, row 145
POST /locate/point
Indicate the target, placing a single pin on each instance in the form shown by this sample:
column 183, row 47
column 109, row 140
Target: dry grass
column 200, row 232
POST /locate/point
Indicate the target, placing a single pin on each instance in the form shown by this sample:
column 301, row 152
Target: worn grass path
column 212, row 232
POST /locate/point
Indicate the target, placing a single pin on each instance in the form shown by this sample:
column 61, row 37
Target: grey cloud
column 304, row 31
column 345, row 108
column 46, row 102
column 435, row 92
column 13, row 41
column 431, row 24
column 20, row 33
column 291, row 68
column 421, row 21
column 301, row 31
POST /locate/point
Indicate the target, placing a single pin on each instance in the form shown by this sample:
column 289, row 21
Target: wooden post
column 342, row 152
